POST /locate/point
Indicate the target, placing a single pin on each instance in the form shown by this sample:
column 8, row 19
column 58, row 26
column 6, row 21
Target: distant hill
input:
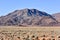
column 57, row 17
column 28, row 17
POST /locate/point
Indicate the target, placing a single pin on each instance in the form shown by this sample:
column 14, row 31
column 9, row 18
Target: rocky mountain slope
column 57, row 16
column 28, row 17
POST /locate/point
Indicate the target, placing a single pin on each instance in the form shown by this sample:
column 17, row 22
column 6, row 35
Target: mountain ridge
column 28, row 17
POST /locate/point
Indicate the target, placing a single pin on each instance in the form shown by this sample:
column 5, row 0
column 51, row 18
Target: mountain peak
column 27, row 17
column 29, row 12
column 34, row 12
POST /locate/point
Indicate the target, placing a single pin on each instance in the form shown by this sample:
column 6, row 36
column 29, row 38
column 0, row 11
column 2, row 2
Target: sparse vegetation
column 29, row 33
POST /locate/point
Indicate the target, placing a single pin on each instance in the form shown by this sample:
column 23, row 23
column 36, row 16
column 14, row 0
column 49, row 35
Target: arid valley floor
column 29, row 33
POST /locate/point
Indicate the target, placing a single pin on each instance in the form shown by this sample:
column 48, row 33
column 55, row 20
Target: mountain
column 28, row 17
column 57, row 17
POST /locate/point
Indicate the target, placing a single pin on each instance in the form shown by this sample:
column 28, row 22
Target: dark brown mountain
column 28, row 17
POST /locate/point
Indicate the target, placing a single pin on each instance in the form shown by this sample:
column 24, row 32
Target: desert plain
column 29, row 33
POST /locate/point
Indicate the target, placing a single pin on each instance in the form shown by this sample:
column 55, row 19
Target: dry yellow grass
column 17, row 33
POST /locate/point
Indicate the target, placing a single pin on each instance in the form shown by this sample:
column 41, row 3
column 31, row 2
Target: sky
column 49, row 6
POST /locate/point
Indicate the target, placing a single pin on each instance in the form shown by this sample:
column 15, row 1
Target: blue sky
column 49, row 6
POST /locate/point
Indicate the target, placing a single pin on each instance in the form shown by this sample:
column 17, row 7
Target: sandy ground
column 28, row 33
